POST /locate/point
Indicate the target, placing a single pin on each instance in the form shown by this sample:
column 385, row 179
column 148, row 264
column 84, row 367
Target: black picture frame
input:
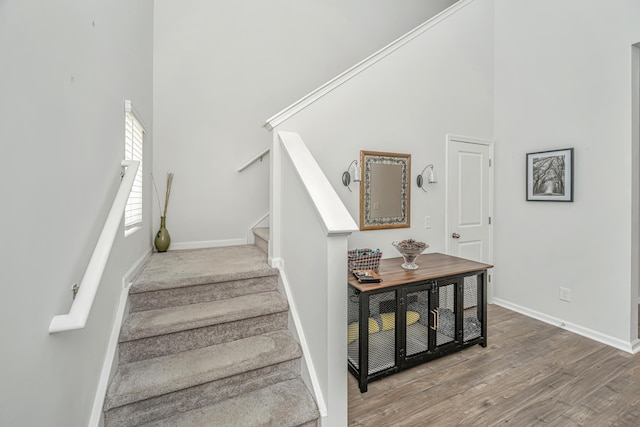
column 550, row 176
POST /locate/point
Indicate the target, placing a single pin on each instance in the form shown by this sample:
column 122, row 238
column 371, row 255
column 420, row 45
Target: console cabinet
column 414, row 316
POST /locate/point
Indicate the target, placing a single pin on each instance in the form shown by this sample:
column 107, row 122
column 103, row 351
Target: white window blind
column 134, row 136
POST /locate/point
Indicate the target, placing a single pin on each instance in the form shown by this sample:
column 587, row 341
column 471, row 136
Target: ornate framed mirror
column 384, row 190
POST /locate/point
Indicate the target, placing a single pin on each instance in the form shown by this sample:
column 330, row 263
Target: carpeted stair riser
column 175, row 319
column 168, row 375
column 175, row 269
column 172, row 297
column 170, row 330
column 285, row 404
column 262, row 238
column 262, row 244
column 159, row 407
column 145, row 348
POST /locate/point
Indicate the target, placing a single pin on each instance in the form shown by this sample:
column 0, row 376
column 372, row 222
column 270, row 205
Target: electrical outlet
column 427, row 222
column 565, row 294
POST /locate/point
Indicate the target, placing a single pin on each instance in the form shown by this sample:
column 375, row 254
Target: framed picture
column 550, row 176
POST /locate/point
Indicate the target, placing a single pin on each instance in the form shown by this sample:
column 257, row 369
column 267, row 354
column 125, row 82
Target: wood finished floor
column 530, row 374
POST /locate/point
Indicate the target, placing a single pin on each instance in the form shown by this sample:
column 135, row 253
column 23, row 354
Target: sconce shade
column 431, row 177
column 356, row 172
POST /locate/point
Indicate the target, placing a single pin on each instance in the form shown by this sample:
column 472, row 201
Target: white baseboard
column 206, row 244
column 308, row 363
column 108, row 365
column 130, row 274
column 630, row 347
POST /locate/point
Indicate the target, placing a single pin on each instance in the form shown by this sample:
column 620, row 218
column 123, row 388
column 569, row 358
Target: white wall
column 563, row 79
column 66, row 69
column 222, row 68
column 408, row 102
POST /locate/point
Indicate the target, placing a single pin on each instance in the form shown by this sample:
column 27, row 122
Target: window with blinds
column 133, row 136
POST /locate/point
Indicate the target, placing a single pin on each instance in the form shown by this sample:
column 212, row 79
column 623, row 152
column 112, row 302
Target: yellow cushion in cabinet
column 382, row 322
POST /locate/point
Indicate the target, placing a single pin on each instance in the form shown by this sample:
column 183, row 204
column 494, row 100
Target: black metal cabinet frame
column 463, row 298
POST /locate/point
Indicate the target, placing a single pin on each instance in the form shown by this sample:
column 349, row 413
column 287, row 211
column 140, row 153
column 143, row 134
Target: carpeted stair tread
column 174, row 319
column 162, row 298
column 148, row 378
column 167, row 405
column 174, row 269
column 285, row 404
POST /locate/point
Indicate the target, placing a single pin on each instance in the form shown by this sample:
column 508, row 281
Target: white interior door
column 469, row 199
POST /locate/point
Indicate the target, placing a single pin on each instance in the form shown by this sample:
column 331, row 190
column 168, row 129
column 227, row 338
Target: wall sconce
column 431, row 177
column 346, row 175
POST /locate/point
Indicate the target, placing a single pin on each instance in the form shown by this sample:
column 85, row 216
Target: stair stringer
column 110, row 363
column 308, row 372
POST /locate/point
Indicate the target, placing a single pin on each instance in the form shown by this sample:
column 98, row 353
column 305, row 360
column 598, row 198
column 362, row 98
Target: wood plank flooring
column 530, row 374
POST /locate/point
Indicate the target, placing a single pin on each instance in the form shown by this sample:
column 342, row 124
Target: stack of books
column 367, row 276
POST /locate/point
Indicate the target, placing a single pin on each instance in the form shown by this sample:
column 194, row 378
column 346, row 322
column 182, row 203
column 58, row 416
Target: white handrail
column 255, row 159
column 81, row 306
column 334, row 215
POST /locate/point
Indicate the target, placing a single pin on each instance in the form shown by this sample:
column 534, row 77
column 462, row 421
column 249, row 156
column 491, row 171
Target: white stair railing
column 86, row 293
column 310, row 227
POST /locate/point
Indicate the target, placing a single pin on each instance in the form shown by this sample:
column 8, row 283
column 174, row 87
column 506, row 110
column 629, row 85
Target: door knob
column 455, row 235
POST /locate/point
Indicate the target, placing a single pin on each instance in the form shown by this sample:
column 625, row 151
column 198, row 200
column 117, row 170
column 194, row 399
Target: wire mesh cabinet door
column 381, row 332
column 459, row 311
column 372, row 334
column 415, row 329
column 473, row 308
column 445, row 322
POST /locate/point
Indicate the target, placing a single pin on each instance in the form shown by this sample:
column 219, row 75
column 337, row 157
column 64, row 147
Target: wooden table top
column 430, row 266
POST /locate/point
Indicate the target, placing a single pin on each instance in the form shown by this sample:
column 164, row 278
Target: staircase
column 206, row 344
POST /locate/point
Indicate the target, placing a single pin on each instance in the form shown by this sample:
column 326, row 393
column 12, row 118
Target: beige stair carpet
column 206, row 343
